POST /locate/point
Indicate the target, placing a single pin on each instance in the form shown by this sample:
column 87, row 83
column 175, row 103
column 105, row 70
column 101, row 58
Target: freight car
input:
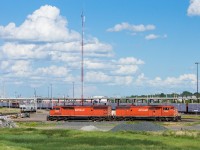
column 159, row 113
column 94, row 112
column 103, row 113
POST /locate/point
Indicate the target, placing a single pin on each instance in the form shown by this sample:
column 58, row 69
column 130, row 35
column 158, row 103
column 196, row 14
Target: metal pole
column 197, row 63
column 48, row 91
column 73, row 89
column 51, row 98
column 9, row 104
column 35, row 92
column 35, row 99
column 197, row 84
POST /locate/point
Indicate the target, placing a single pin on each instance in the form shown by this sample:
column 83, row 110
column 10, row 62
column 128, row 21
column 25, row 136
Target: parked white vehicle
column 28, row 108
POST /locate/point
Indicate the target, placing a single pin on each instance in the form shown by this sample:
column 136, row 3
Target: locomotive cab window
column 165, row 108
column 56, row 108
column 68, row 107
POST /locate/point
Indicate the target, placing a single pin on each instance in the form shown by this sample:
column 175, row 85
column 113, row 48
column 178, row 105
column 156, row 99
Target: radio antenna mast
column 82, row 65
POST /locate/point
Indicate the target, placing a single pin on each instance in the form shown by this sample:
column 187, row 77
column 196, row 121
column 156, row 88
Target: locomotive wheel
column 176, row 119
column 159, row 119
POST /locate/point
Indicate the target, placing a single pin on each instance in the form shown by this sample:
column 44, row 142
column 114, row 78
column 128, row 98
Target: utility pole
column 197, row 63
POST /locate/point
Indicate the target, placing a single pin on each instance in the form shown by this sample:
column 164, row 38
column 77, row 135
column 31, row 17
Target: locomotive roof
column 128, row 106
column 94, row 106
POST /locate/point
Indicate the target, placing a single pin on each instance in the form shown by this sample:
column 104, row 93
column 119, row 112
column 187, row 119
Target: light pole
column 51, row 98
column 35, row 99
column 35, row 93
column 48, row 91
column 197, row 63
column 73, row 89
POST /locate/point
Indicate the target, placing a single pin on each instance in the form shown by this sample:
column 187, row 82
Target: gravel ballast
column 5, row 122
column 141, row 126
column 90, row 128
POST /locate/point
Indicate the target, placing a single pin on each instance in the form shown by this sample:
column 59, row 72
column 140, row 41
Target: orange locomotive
column 104, row 112
column 94, row 112
column 160, row 113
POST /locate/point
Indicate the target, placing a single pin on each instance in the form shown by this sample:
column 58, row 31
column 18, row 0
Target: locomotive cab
column 55, row 111
column 171, row 111
column 168, row 111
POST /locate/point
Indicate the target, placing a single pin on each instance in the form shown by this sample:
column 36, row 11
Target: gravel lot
column 139, row 126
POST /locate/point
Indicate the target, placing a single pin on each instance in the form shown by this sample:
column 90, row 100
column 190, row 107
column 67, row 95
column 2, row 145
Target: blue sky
column 131, row 47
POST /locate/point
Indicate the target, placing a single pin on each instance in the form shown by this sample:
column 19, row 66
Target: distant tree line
column 183, row 94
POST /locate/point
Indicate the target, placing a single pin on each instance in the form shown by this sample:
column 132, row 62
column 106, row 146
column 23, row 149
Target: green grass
column 191, row 117
column 36, row 124
column 195, row 118
column 192, row 123
column 9, row 110
column 37, row 139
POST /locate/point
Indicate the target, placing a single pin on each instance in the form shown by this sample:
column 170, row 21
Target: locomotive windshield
column 166, row 108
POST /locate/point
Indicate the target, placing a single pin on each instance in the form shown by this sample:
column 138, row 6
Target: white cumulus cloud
column 98, row 76
column 58, row 71
column 44, row 49
column 151, row 37
column 25, row 51
column 188, row 80
column 154, row 36
column 4, row 64
column 194, row 8
column 45, row 25
column 130, row 60
column 123, row 80
column 130, row 69
column 128, row 65
column 44, row 36
column 92, row 64
column 20, row 68
column 130, row 27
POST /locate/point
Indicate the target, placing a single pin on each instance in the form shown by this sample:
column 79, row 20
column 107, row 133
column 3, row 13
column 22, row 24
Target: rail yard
column 38, row 125
column 39, row 118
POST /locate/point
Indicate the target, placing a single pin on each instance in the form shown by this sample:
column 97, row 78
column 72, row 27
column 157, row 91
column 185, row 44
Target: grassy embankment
column 36, row 139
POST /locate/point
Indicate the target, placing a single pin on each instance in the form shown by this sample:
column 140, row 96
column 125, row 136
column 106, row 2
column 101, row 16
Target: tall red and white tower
column 82, row 58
